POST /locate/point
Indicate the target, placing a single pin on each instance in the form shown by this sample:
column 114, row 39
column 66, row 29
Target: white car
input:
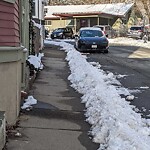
column 136, row 32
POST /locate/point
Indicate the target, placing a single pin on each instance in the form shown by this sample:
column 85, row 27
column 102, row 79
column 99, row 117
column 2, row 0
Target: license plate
column 54, row 35
column 94, row 46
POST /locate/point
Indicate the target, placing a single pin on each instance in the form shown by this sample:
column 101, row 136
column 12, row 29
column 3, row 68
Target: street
column 126, row 60
column 134, row 63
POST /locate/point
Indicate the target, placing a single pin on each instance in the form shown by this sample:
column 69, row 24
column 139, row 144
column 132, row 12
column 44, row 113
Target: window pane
column 33, row 9
column 70, row 22
column 48, row 22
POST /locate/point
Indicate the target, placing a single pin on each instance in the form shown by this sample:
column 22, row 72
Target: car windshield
column 59, row 30
column 91, row 33
column 136, row 28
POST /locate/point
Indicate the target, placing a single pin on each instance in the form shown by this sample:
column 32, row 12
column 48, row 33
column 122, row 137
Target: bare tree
column 146, row 4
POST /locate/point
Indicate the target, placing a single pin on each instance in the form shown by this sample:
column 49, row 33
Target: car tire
column 63, row 37
column 75, row 46
column 106, row 51
column 78, row 48
column 79, row 45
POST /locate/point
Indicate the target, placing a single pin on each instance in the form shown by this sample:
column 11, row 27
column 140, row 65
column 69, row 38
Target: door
column 83, row 23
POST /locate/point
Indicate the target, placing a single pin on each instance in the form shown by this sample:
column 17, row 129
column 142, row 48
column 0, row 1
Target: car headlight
column 82, row 42
column 105, row 41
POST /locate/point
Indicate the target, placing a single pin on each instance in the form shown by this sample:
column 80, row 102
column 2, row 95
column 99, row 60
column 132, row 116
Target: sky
column 115, row 124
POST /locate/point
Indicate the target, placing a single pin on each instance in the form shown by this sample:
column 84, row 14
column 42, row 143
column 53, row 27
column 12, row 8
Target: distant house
column 14, row 46
column 77, row 16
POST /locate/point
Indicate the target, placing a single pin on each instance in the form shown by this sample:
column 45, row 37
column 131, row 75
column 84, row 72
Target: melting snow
column 145, row 87
column 114, row 123
column 29, row 102
column 36, row 60
column 130, row 97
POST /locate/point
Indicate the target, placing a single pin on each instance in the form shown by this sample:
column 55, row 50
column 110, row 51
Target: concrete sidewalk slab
column 50, row 139
column 61, row 103
column 57, row 122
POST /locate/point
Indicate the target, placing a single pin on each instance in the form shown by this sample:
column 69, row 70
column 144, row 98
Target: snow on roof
column 116, row 9
column 90, row 28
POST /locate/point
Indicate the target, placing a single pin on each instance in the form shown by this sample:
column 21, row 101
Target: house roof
column 114, row 9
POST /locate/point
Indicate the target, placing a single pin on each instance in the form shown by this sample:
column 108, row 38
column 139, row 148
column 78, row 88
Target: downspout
column 75, row 25
column 60, row 21
column 98, row 20
column 38, row 9
column 89, row 24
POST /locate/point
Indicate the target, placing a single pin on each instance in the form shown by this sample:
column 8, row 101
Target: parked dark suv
column 136, row 32
column 62, row 33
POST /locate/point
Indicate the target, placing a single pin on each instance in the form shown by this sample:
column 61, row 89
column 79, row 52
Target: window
column 33, row 8
column 48, row 22
column 70, row 22
column 45, row 11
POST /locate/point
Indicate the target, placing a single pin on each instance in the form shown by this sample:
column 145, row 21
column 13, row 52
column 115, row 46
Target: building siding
column 9, row 24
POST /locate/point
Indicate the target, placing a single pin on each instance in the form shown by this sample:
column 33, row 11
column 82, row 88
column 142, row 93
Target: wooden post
column 75, row 25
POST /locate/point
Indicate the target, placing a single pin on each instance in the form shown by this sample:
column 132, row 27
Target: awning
column 76, row 14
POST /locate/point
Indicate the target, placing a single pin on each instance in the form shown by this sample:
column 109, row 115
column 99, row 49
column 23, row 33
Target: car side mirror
column 106, row 35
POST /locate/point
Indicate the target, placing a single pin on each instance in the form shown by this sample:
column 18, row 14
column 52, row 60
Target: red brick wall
column 9, row 24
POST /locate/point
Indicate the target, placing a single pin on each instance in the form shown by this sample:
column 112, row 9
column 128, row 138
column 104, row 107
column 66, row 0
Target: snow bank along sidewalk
column 114, row 123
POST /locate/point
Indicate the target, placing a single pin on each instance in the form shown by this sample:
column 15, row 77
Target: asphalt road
column 133, row 62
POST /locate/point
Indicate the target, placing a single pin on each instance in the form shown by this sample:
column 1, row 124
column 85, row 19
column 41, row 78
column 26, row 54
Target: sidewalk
column 57, row 122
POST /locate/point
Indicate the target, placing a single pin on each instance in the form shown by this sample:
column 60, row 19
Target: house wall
column 93, row 21
column 38, row 17
column 107, row 21
column 37, row 40
column 24, row 20
column 11, row 61
column 10, row 93
column 81, row 22
column 56, row 24
column 10, row 82
column 9, row 24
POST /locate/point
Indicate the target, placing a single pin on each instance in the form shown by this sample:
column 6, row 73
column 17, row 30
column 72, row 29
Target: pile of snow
column 145, row 87
column 36, row 24
column 129, row 41
column 115, row 124
column 29, row 102
column 40, row 55
column 130, row 97
column 35, row 60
